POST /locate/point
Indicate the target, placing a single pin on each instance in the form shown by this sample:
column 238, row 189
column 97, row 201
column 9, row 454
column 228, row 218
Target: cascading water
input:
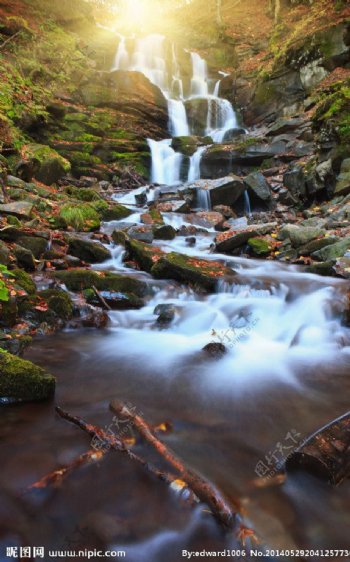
column 149, row 56
column 203, row 199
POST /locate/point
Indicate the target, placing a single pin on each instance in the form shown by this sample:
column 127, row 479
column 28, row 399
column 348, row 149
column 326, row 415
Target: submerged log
column 326, row 453
column 202, row 488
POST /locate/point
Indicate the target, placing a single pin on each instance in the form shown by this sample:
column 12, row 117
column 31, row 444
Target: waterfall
column 199, row 81
column 203, row 199
column 247, row 206
column 195, row 163
column 151, row 56
column 166, row 163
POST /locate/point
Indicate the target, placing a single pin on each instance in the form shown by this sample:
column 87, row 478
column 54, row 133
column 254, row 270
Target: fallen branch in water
column 112, row 442
column 55, row 478
column 101, row 299
column 203, row 489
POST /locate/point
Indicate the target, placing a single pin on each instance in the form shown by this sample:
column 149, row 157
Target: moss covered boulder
column 145, row 255
column 204, row 273
column 81, row 217
column 51, row 166
column 115, row 212
column 259, row 246
column 80, row 279
column 34, row 244
column 87, row 250
column 59, row 302
column 24, row 381
column 24, row 281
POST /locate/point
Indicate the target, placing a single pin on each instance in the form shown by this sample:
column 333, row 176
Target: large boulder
column 259, row 189
column 80, row 279
column 333, row 251
column 21, row 380
column 20, row 209
column 223, row 191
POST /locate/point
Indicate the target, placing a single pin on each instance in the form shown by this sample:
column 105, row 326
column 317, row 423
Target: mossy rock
column 34, row 244
column 59, row 302
column 145, row 255
column 259, row 246
column 81, row 217
column 80, row 279
column 88, row 251
column 115, row 213
column 24, row 257
column 24, row 381
column 164, row 232
column 4, row 254
column 83, row 194
column 24, row 280
column 52, row 165
column 204, row 273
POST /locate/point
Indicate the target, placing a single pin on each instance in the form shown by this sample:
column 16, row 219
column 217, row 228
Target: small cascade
column 166, row 163
column 203, row 199
column 217, row 89
column 225, row 119
column 178, row 124
column 121, row 60
column 194, row 172
column 199, row 81
column 247, row 206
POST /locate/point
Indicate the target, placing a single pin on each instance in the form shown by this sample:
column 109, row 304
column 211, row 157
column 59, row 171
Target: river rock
column 333, row 251
column 80, row 279
column 52, row 166
column 233, row 239
column 173, row 207
column 88, row 251
column 24, row 257
column 300, row 235
column 142, row 233
column 36, row 244
column 141, row 198
column 294, row 180
column 24, row 381
column 4, row 254
column 145, row 255
column 223, row 191
column 164, row 232
column 216, row 350
column 258, row 188
column 165, row 312
column 204, row 273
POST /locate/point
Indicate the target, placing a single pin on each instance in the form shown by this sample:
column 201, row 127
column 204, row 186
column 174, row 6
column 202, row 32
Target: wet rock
column 191, row 241
column 216, row 350
column 95, row 318
column 233, row 239
column 258, row 188
column 208, row 219
column 300, row 235
column 24, row 258
column 188, row 145
column 115, row 212
column 204, row 273
column 316, row 245
column 173, row 207
column 342, row 268
column 141, row 233
column 88, row 251
column 225, row 210
column 223, row 191
column 325, row 269
column 144, row 255
column 165, row 312
column 24, row 281
column 80, row 279
column 24, row 381
column 115, row 300
column 141, row 198
column 165, row 232
column 153, row 217
column 233, row 134
column 21, row 209
column 343, row 181
column 10, row 233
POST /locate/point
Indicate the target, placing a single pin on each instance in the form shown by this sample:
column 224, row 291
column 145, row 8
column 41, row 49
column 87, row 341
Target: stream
column 285, row 374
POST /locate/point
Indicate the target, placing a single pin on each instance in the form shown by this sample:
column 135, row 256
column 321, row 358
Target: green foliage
column 4, row 275
column 80, row 217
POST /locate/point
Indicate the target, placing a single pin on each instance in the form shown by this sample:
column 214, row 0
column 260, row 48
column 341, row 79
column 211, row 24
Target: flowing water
column 285, row 374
